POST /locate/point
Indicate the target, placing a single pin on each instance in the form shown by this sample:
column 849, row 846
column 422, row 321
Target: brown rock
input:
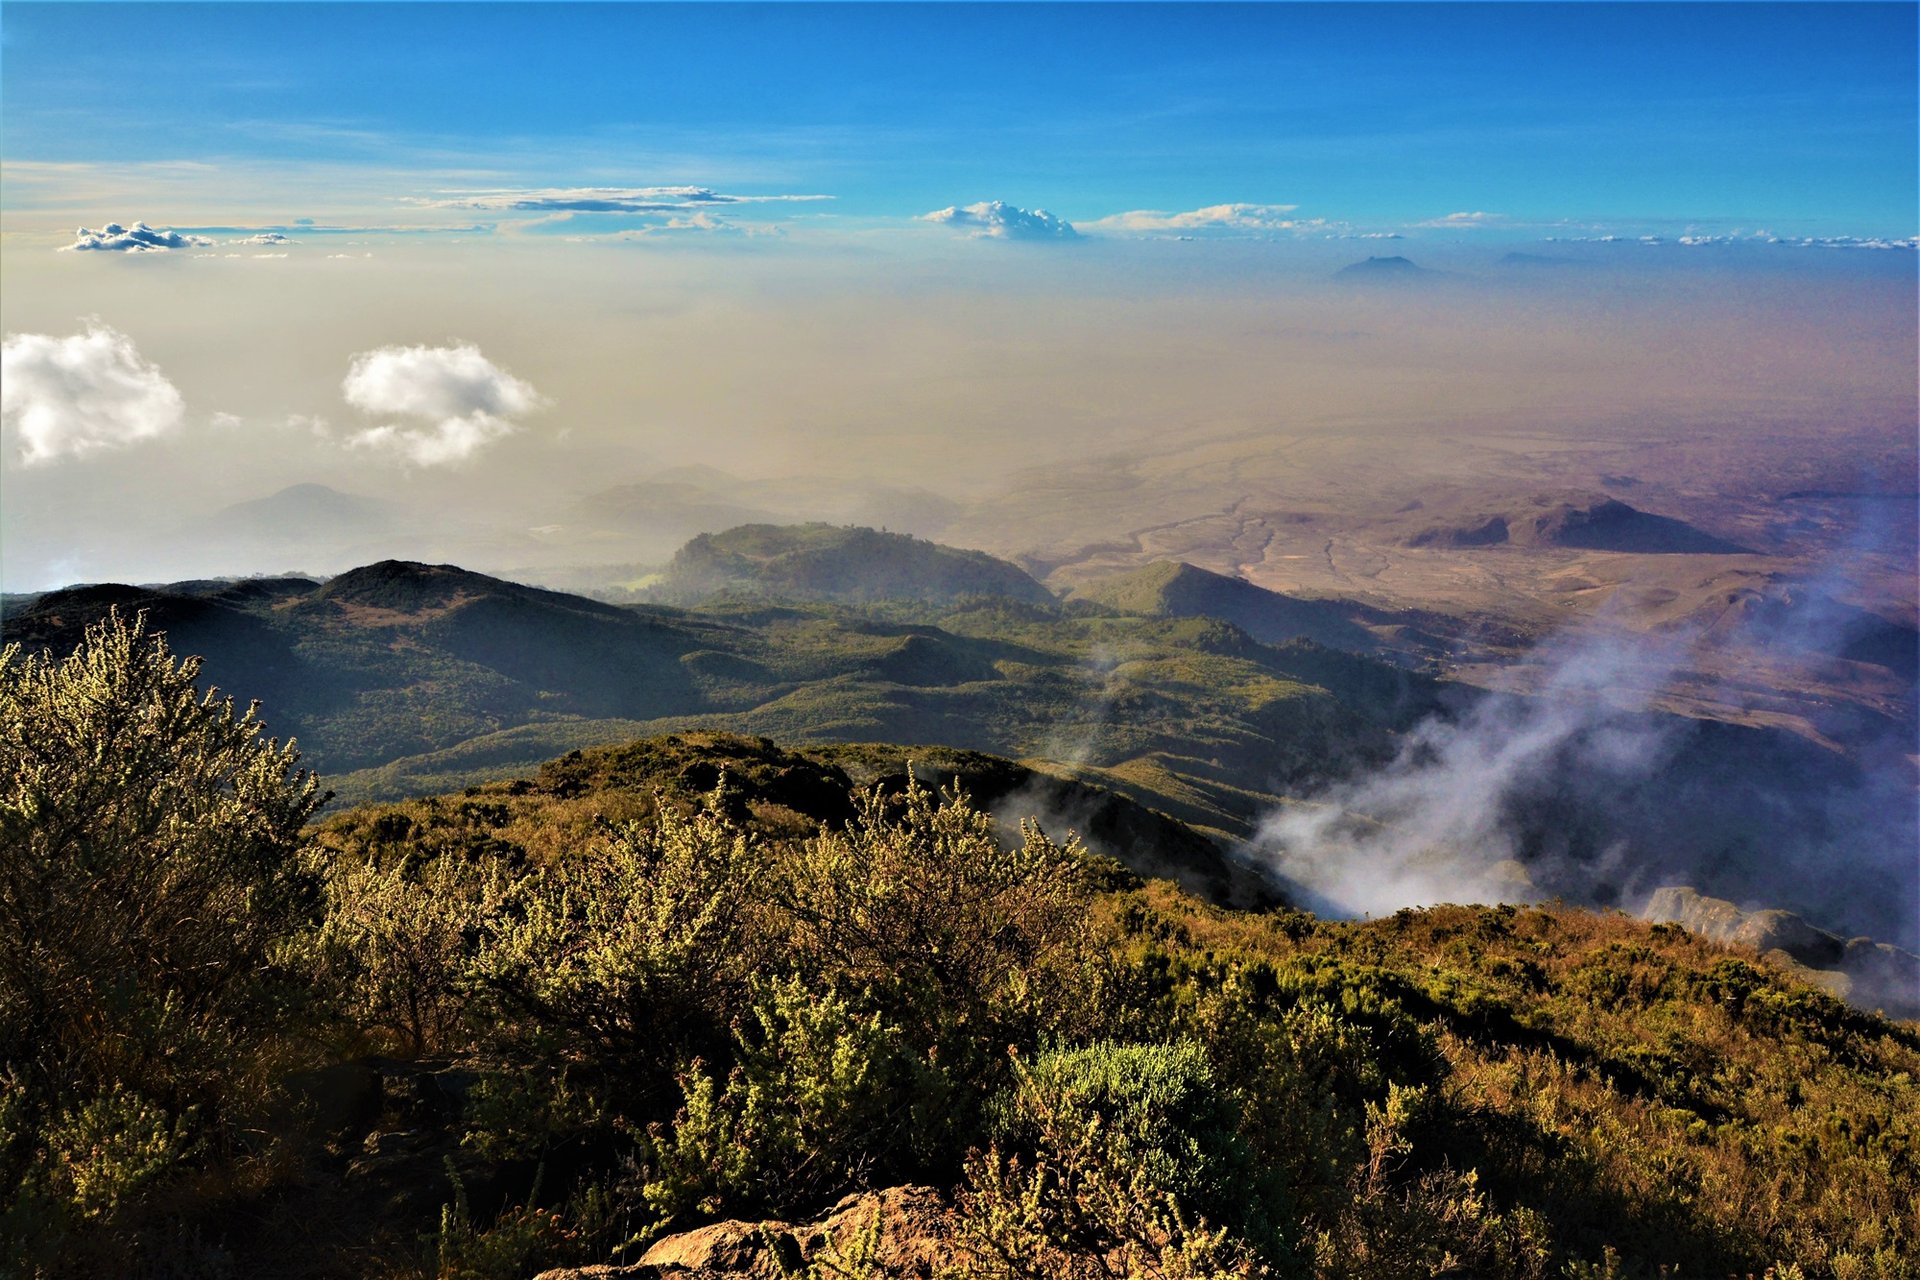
column 915, row 1238
column 732, row 1248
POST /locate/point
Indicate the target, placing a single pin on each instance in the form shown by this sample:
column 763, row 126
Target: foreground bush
column 1120, row 1159
column 819, row 1092
column 149, row 867
column 633, row 952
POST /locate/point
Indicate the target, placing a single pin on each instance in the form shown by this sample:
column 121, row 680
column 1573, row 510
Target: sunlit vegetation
column 552, row 1021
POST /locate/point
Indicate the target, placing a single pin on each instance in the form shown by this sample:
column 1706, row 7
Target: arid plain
column 1755, row 555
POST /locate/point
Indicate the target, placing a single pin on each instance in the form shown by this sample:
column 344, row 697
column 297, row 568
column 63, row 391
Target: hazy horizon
column 830, row 370
column 821, row 248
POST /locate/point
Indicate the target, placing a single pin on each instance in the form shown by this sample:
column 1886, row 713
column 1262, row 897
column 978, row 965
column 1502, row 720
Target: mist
column 1583, row 790
column 963, row 370
column 1439, row 823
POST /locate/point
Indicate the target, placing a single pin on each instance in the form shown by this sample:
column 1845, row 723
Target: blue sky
column 1549, row 119
column 782, row 240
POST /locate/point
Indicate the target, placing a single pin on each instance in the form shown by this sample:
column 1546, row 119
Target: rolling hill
column 404, row 679
column 399, row 678
column 842, row 563
column 1175, row 589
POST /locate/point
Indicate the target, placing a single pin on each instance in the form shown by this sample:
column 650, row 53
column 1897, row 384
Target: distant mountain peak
column 1388, row 265
column 1581, row 521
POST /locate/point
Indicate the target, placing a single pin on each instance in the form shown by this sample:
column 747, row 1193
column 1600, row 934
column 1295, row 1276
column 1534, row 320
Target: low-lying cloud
column 72, row 396
column 1466, row 220
column 1703, row 239
column 455, row 401
column 139, row 238
column 998, row 220
column 1438, row 823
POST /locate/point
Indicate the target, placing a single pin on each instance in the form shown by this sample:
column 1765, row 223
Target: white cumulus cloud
column 264, row 237
column 1234, row 218
column 453, row 401
column 139, row 238
column 999, row 220
column 67, row 397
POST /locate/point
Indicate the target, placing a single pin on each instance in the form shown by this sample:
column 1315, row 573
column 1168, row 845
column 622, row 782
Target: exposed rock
column 915, row 1235
column 1867, row 973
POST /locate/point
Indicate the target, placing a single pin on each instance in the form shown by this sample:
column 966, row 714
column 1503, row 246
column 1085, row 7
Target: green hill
column 1175, row 589
column 403, row 678
column 836, row 562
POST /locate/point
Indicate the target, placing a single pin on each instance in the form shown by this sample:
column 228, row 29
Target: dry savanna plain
column 1724, row 542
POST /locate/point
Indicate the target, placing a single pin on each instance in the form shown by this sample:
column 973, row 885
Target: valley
column 1244, row 713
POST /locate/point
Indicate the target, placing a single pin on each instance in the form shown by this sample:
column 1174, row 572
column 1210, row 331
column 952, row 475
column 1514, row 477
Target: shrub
column 1439, row 1223
column 149, row 842
column 810, row 1105
column 1115, row 1159
column 929, row 906
column 398, row 945
column 635, row 949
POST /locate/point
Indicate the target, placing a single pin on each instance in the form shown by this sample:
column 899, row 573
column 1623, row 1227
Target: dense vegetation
column 553, row 1020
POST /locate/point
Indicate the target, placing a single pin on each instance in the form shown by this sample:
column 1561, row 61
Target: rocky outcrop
column 901, row 1231
column 1867, row 973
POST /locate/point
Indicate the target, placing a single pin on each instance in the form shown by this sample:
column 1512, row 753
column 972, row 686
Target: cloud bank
column 998, row 220
column 68, row 397
column 1702, row 239
column 1235, row 218
column 597, row 199
column 456, row 399
column 139, row 238
column 1466, row 220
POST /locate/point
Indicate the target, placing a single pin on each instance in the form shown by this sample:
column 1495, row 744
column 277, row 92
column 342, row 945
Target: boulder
column 902, row 1231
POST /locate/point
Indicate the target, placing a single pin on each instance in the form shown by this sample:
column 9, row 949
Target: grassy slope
column 791, row 791
column 1680, row 1101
